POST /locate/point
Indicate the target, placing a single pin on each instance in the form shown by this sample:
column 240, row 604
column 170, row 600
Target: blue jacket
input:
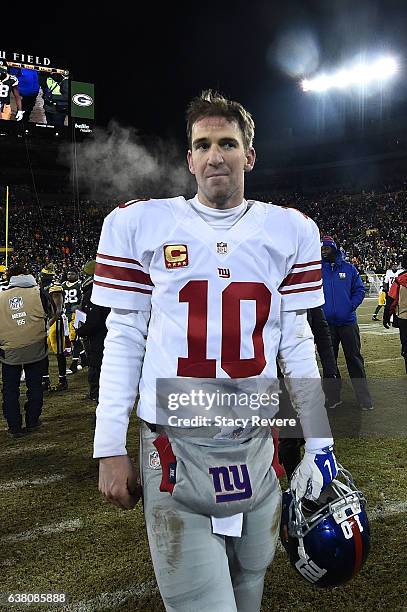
column 28, row 84
column 344, row 291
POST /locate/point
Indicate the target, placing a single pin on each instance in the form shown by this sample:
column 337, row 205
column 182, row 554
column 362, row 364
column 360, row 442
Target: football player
column 178, row 275
column 396, row 305
column 72, row 298
column 8, row 85
column 381, row 301
column 58, row 327
column 389, row 278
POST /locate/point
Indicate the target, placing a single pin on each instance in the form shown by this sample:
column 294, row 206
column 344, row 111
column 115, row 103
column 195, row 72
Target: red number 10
column 197, row 365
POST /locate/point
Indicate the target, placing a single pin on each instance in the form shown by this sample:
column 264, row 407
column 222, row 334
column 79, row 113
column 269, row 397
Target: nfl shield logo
column 15, row 303
column 154, row 460
column 222, row 248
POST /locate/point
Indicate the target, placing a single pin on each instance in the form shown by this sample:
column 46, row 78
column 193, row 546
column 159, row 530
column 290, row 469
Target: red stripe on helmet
column 357, row 538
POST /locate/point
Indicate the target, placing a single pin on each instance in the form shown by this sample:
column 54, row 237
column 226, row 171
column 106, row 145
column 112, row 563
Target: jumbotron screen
column 33, row 90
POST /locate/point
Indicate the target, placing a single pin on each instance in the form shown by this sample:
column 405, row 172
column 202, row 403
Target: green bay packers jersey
column 72, row 296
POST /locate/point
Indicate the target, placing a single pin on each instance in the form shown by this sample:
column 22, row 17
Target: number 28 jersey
column 215, row 296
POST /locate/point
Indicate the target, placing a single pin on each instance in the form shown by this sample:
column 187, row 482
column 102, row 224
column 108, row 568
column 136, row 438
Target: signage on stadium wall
column 82, row 100
column 27, row 60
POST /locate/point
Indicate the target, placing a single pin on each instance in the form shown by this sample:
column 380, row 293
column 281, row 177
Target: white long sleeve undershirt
column 123, row 356
column 296, row 357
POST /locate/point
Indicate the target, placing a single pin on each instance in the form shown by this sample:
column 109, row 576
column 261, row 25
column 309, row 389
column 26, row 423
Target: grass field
column 58, row 535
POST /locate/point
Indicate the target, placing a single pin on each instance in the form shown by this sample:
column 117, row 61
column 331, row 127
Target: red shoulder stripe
column 122, row 287
column 316, row 288
column 308, row 263
column 123, row 259
column 297, row 278
column 121, row 273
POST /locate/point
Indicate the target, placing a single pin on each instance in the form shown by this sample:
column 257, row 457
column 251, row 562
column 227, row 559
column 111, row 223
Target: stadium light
column 361, row 74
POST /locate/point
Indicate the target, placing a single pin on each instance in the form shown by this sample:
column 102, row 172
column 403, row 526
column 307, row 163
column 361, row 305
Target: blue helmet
column 327, row 541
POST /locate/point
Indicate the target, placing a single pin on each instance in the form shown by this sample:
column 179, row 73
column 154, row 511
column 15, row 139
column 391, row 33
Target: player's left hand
column 19, row 115
column 314, row 473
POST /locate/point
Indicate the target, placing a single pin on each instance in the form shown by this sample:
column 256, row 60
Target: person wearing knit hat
column 344, row 291
column 47, row 276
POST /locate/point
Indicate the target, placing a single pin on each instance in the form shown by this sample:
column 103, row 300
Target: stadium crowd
column 369, row 226
column 65, row 236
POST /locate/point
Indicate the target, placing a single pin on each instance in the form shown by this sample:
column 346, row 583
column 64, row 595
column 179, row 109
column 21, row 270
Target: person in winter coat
column 396, row 304
column 93, row 331
column 23, row 345
column 344, row 291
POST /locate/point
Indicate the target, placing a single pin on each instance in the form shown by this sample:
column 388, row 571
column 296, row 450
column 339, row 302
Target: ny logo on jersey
column 175, row 256
column 224, row 272
column 222, row 248
column 309, row 570
column 342, row 274
column 15, row 303
column 231, row 483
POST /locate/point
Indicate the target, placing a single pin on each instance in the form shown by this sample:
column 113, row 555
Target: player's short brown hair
column 212, row 104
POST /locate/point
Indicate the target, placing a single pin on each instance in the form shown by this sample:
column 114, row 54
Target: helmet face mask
column 327, row 542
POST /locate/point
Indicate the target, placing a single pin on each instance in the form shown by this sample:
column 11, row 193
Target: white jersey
column 390, row 276
column 215, row 296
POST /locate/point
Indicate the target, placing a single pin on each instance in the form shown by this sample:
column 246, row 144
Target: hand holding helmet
column 327, row 541
column 316, row 470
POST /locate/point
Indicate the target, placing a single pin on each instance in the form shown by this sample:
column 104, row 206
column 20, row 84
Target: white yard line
column 377, row 333
column 377, row 330
column 383, row 360
column 108, row 601
column 387, row 510
column 39, row 532
column 19, row 450
column 344, row 368
column 12, row 485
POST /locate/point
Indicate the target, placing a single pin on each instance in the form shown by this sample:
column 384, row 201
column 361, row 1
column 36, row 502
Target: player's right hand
column 118, row 481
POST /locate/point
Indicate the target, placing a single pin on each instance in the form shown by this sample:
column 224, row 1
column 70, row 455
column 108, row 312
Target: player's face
column 327, row 252
column 218, row 161
column 71, row 277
